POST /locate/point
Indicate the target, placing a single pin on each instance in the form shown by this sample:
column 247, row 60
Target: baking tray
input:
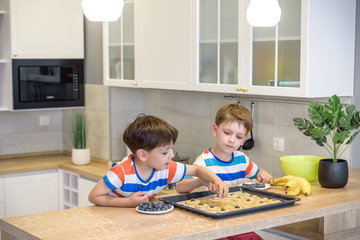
column 178, row 199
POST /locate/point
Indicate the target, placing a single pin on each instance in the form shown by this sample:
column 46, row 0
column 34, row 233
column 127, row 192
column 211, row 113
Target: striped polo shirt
column 124, row 180
column 231, row 172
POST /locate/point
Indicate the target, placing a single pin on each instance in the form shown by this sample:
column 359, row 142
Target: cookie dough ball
column 192, row 201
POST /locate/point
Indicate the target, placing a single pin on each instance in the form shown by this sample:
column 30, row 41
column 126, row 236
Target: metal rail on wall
column 238, row 98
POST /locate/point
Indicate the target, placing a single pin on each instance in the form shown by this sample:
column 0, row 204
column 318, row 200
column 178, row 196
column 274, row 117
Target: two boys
column 140, row 176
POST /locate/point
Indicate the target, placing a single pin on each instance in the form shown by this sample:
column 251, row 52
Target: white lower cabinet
column 43, row 191
column 85, row 186
column 31, row 193
column 74, row 190
column 2, row 198
column 2, row 210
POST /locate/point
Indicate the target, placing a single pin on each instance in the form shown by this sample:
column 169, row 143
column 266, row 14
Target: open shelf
column 70, row 185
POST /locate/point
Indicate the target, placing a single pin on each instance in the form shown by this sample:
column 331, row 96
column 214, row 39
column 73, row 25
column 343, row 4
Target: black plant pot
column 333, row 174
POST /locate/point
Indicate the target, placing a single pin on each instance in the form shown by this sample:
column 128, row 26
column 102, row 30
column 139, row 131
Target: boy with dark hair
column 143, row 174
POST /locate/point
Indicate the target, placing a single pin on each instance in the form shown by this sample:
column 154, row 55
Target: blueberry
column 237, row 206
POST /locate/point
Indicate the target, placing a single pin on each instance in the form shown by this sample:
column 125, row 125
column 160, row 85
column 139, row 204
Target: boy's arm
column 187, row 185
column 99, row 196
column 213, row 182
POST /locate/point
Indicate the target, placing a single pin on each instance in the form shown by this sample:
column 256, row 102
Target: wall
column 20, row 132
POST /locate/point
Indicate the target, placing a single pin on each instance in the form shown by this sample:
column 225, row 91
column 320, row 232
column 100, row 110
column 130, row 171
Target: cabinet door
column 276, row 53
column 47, row 29
column 310, row 53
column 2, row 210
column 2, row 198
column 163, row 44
column 119, row 49
column 28, row 194
column 85, row 186
column 2, row 190
column 220, row 50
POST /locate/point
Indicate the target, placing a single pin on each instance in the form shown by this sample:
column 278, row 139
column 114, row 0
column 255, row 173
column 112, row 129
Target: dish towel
column 244, row 236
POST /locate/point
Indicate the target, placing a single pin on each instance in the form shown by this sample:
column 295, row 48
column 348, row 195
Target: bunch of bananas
column 293, row 185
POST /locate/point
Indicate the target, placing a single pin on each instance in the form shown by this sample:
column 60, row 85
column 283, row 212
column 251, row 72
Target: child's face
column 230, row 135
column 160, row 157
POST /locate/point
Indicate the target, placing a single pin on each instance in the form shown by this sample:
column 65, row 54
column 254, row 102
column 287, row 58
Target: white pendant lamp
column 102, row 10
column 263, row 13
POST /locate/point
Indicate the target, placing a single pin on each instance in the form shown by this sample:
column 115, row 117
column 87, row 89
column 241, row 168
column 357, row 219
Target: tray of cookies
column 240, row 200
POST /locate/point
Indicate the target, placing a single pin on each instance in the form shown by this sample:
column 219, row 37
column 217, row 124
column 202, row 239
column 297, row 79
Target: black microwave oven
column 47, row 83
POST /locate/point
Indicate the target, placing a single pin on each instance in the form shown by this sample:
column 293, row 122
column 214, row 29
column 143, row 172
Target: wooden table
column 125, row 223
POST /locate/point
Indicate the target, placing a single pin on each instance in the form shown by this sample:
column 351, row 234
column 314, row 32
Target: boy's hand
column 263, row 176
column 137, row 198
column 220, row 188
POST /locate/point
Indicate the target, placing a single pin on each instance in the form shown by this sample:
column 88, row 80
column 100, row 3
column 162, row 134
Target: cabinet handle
column 15, row 55
column 241, row 89
column 135, row 83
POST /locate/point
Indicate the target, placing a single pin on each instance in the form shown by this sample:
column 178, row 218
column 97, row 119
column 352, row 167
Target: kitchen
column 112, row 108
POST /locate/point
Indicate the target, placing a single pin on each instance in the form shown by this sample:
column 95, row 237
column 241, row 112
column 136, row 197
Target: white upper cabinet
column 310, row 53
column 37, row 29
column 219, row 50
column 46, row 29
column 164, row 43
column 158, row 51
column 119, row 49
column 207, row 45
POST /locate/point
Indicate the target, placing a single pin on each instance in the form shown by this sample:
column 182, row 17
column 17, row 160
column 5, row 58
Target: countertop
column 96, row 222
column 95, row 170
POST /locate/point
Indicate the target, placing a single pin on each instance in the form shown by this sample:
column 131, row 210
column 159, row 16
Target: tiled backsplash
column 20, row 132
column 97, row 112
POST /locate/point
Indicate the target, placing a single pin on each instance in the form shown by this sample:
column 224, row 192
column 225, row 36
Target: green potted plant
column 79, row 130
column 331, row 126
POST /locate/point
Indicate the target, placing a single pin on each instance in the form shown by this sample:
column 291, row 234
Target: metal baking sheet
column 178, row 201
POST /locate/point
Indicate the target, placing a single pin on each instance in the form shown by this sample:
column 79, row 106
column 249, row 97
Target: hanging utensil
column 249, row 143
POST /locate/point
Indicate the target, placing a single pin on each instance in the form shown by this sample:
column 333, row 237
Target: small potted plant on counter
column 332, row 126
column 78, row 130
